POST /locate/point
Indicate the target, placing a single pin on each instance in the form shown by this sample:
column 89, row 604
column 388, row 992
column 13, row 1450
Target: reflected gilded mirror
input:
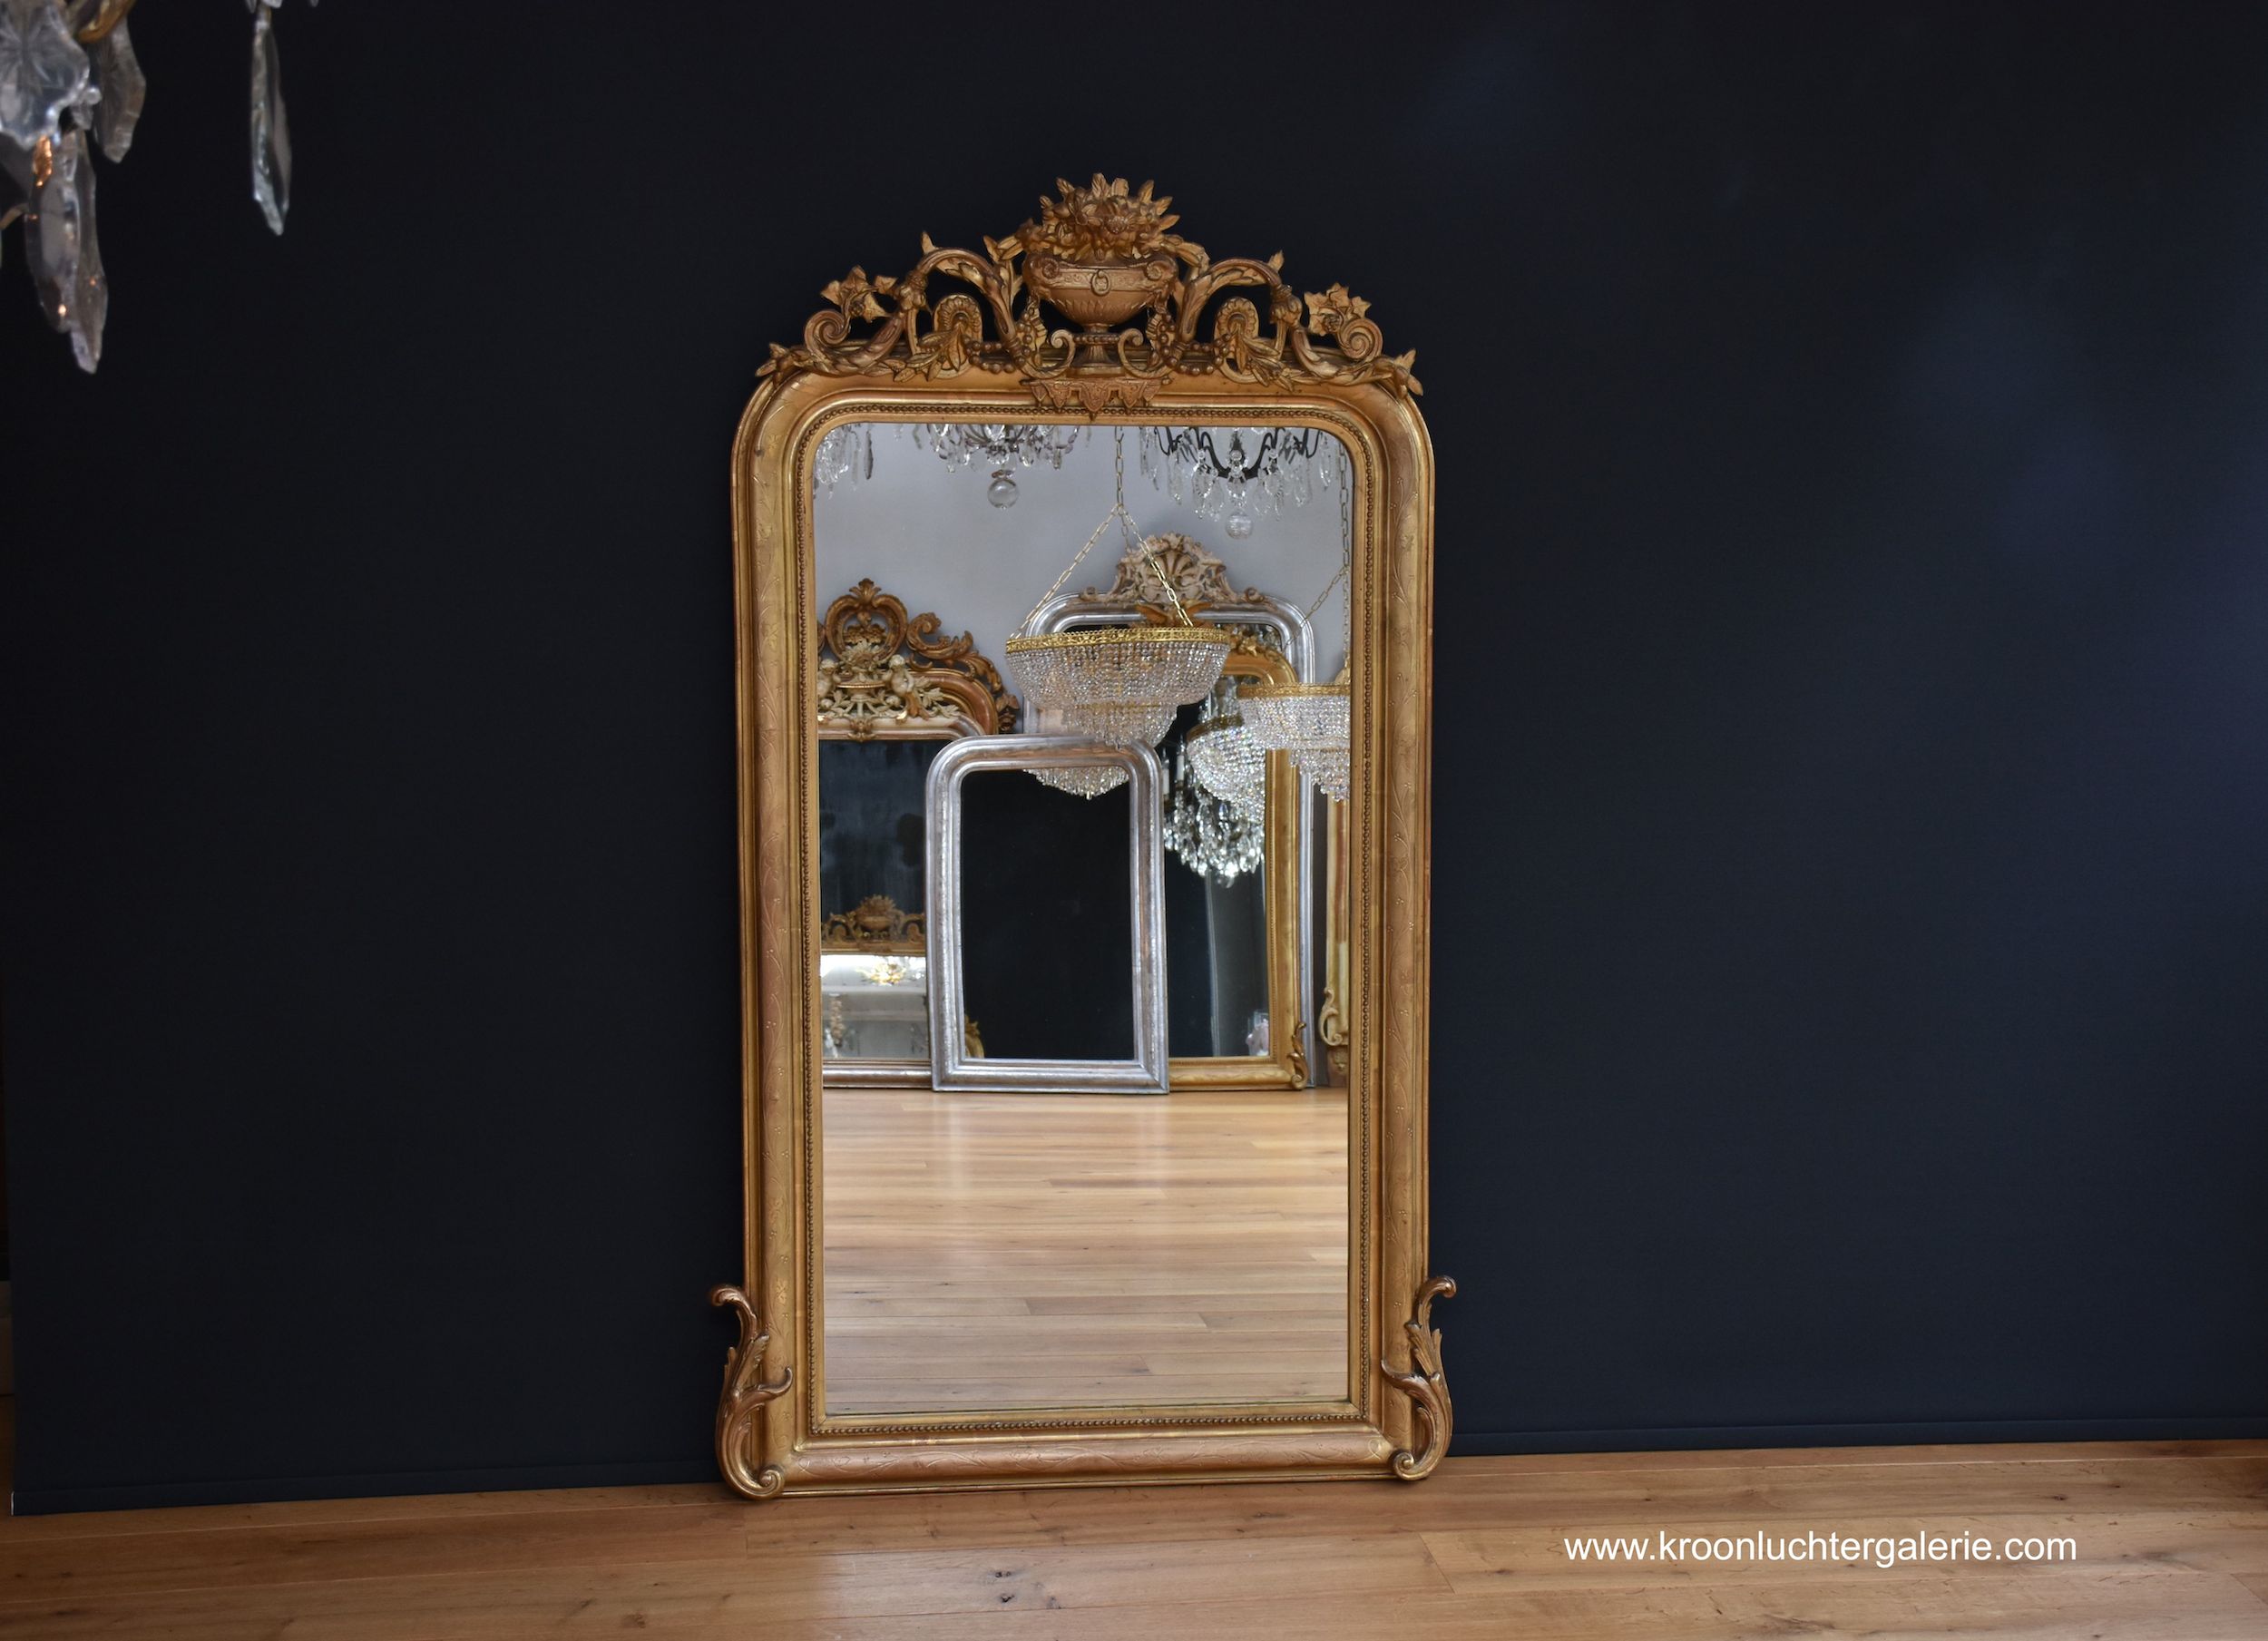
column 1084, row 631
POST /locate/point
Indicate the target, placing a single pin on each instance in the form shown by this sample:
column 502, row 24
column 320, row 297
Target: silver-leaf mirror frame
column 952, row 1065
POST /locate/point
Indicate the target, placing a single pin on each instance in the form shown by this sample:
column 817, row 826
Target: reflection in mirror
column 874, row 975
column 1029, row 934
column 1039, row 862
column 1185, row 1249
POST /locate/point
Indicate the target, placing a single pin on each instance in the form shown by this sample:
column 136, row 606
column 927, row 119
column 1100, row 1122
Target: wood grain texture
column 2173, row 1546
column 1017, row 1250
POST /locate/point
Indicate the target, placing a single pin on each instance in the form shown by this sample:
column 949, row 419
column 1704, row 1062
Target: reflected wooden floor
column 1012, row 1250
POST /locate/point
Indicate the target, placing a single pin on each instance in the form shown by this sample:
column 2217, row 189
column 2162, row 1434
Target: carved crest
column 883, row 674
column 1198, row 578
column 877, row 924
column 1098, row 256
column 1195, row 575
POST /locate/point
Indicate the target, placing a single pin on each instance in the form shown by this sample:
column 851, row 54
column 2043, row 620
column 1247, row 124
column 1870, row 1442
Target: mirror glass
column 1056, row 1247
column 874, row 972
column 1043, row 874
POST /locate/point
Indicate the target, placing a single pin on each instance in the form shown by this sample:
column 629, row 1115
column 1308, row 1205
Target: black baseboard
column 58, row 1501
column 1493, row 1443
column 45, row 1501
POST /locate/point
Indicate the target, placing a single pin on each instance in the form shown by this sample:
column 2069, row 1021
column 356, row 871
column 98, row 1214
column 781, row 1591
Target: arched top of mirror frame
column 1093, row 313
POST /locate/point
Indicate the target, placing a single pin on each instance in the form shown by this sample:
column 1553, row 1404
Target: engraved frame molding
column 778, row 1438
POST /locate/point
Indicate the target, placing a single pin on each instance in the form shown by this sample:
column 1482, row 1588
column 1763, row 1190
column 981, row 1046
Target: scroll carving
column 745, row 1393
column 1423, row 1383
column 1099, row 255
column 882, row 672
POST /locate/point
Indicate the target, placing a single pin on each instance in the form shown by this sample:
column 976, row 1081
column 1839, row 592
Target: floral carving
column 1331, row 311
column 1098, row 257
column 1104, row 221
column 859, row 296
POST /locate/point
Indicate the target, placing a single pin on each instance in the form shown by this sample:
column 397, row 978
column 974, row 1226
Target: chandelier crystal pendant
column 70, row 86
column 1121, row 685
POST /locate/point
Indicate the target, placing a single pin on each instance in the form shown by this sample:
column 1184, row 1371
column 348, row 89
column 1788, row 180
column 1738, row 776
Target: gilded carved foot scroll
column 1423, row 1383
column 744, row 1397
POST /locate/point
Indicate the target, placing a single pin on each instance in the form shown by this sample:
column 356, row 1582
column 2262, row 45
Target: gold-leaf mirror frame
column 910, row 350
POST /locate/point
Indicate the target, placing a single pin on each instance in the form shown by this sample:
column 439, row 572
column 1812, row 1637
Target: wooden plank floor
column 2172, row 1542
column 1018, row 1250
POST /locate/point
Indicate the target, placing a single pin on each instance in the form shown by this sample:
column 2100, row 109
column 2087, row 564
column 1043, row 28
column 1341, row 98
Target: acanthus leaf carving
column 746, row 1394
column 1423, row 1383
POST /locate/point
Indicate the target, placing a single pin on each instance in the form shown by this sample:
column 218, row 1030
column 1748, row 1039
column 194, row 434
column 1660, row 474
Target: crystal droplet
column 118, row 73
column 1238, row 524
column 59, row 234
column 1001, row 490
column 271, row 132
column 42, row 71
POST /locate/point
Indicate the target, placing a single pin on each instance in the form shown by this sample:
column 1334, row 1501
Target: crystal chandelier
column 1256, row 471
column 1309, row 721
column 1121, row 685
column 1224, row 755
column 1217, row 838
column 68, row 72
column 1085, row 780
column 999, row 445
column 846, row 455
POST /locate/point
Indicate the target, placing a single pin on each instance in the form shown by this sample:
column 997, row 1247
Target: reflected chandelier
column 68, row 72
column 1309, row 721
column 846, row 455
column 1119, row 685
column 1219, row 838
column 1260, row 470
column 1225, row 756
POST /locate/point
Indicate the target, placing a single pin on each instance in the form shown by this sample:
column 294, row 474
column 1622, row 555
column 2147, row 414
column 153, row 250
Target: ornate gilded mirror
column 1167, row 814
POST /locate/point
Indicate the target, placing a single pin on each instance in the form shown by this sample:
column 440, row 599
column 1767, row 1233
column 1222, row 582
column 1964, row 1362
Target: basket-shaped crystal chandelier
column 1086, row 780
column 1121, row 685
column 1091, row 781
column 1308, row 722
column 1228, row 759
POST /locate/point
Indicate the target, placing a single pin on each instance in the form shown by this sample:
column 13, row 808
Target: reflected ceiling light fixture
column 1121, row 684
column 1001, row 446
column 846, row 455
column 68, row 74
column 1226, row 759
column 1309, row 721
column 1257, row 470
column 1219, row 838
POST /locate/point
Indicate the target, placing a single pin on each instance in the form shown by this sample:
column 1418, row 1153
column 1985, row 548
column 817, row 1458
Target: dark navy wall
column 1851, row 836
